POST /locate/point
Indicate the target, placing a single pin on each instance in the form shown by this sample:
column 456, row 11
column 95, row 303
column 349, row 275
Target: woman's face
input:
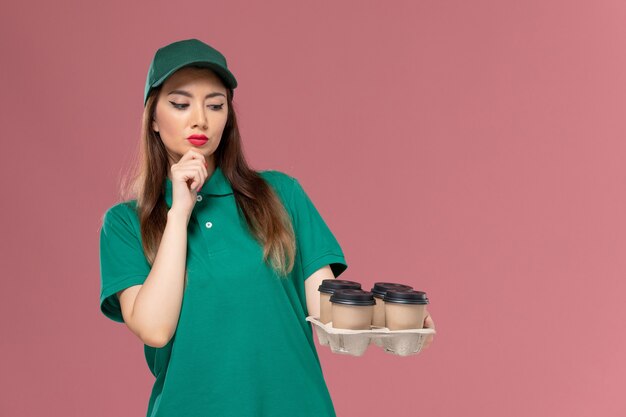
column 192, row 101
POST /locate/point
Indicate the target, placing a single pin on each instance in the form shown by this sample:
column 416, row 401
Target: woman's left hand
column 430, row 324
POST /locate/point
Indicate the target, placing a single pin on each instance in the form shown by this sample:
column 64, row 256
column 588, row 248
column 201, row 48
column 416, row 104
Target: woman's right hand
column 188, row 176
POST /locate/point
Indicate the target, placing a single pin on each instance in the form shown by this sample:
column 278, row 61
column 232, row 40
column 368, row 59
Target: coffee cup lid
column 406, row 297
column 380, row 288
column 330, row 285
column 356, row 297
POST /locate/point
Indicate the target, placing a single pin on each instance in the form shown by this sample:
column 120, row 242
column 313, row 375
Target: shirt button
column 208, row 225
column 198, row 197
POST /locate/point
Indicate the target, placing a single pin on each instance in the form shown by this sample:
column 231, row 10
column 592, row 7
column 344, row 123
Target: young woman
column 215, row 266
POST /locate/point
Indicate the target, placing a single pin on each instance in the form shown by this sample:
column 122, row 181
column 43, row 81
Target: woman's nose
column 199, row 116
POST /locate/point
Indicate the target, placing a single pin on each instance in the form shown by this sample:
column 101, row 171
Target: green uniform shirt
column 242, row 346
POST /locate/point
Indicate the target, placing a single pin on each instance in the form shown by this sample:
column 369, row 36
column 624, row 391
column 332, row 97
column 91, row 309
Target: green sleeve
column 122, row 261
column 315, row 242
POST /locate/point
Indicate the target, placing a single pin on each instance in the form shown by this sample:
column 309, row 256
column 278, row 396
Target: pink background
column 474, row 149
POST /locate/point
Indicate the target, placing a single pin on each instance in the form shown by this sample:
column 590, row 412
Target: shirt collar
column 216, row 185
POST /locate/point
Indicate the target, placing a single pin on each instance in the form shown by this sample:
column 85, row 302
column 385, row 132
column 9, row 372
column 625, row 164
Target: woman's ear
column 155, row 125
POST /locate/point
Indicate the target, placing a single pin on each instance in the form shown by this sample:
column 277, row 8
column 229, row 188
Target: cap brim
column 227, row 78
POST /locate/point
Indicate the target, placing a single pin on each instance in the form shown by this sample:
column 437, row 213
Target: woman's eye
column 179, row 106
column 216, row 106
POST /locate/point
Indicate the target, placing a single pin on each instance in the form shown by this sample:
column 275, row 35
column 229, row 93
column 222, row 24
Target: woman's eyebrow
column 185, row 93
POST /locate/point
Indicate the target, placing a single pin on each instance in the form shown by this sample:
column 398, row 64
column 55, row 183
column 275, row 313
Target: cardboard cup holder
column 355, row 342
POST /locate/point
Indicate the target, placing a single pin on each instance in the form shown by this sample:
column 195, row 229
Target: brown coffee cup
column 352, row 309
column 326, row 289
column 405, row 309
column 379, row 290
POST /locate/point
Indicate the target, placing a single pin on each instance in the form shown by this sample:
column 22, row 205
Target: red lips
column 197, row 140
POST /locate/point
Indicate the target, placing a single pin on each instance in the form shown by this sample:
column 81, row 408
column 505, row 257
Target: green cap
column 178, row 54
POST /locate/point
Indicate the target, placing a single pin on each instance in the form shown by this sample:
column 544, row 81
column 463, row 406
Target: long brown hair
column 265, row 215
